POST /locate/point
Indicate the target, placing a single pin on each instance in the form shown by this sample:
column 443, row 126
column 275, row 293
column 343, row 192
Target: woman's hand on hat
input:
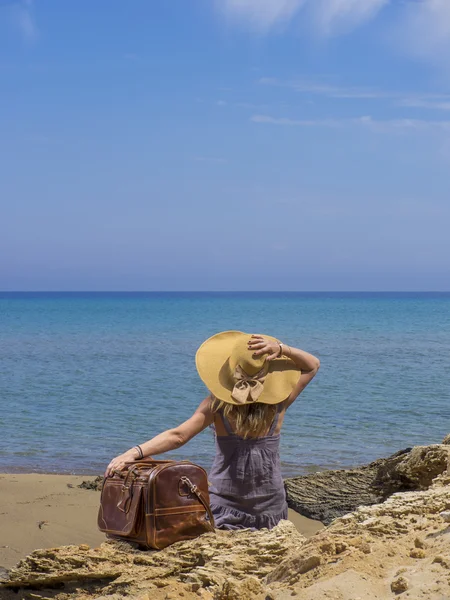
column 260, row 345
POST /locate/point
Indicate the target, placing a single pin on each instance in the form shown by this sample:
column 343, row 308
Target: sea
column 85, row 376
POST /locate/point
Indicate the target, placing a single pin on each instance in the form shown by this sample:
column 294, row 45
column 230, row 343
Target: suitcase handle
column 129, row 476
column 148, row 461
column 130, row 465
column 194, row 490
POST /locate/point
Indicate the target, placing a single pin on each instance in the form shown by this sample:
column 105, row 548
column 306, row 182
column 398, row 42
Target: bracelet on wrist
column 140, row 453
column 283, row 350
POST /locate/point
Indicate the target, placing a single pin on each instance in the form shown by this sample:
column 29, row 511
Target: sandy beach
column 370, row 549
column 45, row 511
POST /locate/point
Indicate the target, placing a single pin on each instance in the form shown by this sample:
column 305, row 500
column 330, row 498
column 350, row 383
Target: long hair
column 249, row 420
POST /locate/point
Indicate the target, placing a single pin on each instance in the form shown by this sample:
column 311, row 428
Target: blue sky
column 225, row 145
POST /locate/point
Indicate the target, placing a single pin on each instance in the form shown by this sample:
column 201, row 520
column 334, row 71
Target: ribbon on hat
column 248, row 388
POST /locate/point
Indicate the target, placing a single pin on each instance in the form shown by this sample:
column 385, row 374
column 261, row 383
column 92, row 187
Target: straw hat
column 230, row 371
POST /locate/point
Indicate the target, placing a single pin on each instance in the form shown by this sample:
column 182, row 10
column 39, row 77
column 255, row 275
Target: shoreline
column 45, row 510
column 289, row 472
column 26, row 471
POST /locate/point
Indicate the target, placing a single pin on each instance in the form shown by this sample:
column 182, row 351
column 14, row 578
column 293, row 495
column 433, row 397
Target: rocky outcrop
column 92, row 484
column 330, row 494
column 221, row 562
column 401, row 543
column 400, row 546
column 374, row 552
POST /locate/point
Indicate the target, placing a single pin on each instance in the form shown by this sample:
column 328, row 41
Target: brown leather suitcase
column 156, row 503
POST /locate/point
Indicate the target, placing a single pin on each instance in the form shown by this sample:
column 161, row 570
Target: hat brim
column 212, row 365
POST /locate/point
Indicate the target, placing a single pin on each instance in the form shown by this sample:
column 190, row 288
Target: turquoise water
column 85, row 376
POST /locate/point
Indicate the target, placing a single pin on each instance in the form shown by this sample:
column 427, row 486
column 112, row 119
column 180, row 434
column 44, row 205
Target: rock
column 95, row 484
column 295, row 566
column 330, row 494
column 341, row 547
column 328, row 547
column 244, row 590
column 207, row 562
column 446, row 440
column 399, row 585
column 445, row 515
column 418, row 469
column 366, row 548
column 417, row 553
column 441, row 560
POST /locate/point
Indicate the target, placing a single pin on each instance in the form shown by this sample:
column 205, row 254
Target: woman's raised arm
column 307, row 363
column 168, row 440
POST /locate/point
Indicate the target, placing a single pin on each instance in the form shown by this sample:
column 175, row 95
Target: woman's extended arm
column 168, row 440
column 307, row 363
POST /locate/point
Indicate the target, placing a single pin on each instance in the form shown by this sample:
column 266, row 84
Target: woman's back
column 247, row 488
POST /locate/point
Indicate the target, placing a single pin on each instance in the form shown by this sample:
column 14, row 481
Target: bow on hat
column 248, row 388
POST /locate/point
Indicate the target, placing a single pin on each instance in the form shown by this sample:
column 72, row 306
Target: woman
column 252, row 379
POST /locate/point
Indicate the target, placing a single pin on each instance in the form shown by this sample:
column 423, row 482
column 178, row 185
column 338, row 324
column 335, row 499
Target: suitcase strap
column 194, row 490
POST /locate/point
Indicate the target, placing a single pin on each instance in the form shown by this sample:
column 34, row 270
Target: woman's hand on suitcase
column 118, row 463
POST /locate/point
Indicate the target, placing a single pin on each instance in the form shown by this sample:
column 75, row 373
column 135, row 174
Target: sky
column 225, row 145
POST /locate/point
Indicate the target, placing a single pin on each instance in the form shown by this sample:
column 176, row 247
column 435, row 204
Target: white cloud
column 387, row 125
column 326, row 89
column 422, row 26
column 328, row 14
column 297, row 122
column 338, row 14
column 426, row 103
column 426, row 29
column 261, row 14
column 24, row 20
column 364, row 121
column 406, row 99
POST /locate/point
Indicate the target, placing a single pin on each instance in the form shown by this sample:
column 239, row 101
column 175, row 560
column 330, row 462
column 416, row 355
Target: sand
column 44, row 511
column 307, row 527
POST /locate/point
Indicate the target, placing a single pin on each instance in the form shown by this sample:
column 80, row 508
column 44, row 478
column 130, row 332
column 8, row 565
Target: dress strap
column 226, row 423
column 276, row 418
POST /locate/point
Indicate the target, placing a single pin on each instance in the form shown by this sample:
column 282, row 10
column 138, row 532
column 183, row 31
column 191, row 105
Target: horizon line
column 224, row 291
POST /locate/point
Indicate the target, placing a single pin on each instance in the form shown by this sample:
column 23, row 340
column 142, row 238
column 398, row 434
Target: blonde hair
column 249, row 420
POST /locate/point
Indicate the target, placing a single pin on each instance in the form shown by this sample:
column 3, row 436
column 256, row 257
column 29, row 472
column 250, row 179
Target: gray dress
column 246, row 486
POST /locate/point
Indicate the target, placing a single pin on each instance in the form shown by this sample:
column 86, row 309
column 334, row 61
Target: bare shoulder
column 205, row 409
